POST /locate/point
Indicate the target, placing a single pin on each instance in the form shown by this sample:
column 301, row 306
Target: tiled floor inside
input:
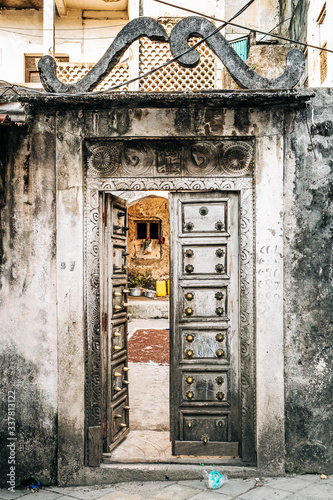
column 143, row 446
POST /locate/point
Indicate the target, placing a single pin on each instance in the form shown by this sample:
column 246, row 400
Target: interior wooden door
column 205, row 404
column 114, row 323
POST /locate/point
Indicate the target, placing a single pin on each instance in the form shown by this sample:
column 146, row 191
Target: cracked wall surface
column 46, row 159
column 308, row 288
column 28, row 347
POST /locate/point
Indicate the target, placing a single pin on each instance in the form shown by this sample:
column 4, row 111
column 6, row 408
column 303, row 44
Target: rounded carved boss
column 103, row 159
column 237, row 158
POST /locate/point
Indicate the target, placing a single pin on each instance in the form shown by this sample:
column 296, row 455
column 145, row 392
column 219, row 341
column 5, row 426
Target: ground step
column 149, row 309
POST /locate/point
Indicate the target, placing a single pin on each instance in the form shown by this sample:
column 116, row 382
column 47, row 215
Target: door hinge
column 104, row 321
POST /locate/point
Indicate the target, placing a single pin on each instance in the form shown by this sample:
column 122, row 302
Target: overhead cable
column 115, row 87
column 245, row 27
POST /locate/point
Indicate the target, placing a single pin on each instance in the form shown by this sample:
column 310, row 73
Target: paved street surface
column 293, row 488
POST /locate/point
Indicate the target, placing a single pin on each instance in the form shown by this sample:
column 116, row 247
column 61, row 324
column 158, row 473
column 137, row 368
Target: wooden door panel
column 204, row 259
column 203, row 302
column 114, row 324
column 119, row 258
column 120, row 297
column 119, row 422
column 227, row 449
column 118, row 338
column 205, row 387
column 119, row 379
column 204, row 343
column 205, row 216
column 196, row 426
column 205, row 403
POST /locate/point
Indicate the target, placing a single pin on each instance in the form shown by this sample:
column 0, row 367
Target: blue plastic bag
column 214, row 479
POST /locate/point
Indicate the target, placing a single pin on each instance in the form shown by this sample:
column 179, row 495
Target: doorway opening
column 148, row 329
column 203, row 349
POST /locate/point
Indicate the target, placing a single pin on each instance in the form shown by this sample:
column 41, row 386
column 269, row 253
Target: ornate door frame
column 105, row 161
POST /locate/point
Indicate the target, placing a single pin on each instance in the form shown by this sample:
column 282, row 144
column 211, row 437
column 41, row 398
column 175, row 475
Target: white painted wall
column 318, row 34
column 84, row 40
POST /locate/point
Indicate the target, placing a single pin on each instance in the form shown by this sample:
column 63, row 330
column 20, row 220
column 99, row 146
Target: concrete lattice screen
column 73, row 72
column 151, row 55
column 174, row 77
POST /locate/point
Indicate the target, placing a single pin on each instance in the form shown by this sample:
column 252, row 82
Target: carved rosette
column 137, row 157
column 237, row 158
column 103, row 159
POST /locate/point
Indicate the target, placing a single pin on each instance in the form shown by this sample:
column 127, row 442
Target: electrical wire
column 115, row 87
column 65, row 29
column 282, row 22
column 245, row 27
column 225, row 23
column 62, row 38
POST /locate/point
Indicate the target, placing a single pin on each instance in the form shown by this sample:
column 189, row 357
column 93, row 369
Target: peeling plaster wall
column 109, row 119
column 28, row 329
column 294, row 379
column 267, row 60
column 298, row 22
column 308, row 289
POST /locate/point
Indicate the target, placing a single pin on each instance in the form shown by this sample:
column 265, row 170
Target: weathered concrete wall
column 156, row 263
column 267, row 60
column 28, row 346
column 33, row 329
column 111, row 119
column 308, row 289
column 298, row 22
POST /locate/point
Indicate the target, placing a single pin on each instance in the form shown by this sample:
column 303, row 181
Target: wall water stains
column 28, row 346
column 42, row 291
column 308, row 289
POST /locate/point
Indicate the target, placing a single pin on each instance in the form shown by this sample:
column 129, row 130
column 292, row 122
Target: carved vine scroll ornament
column 243, row 75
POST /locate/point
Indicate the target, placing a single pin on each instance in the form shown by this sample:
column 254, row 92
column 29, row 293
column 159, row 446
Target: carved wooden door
column 204, row 371
column 114, row 323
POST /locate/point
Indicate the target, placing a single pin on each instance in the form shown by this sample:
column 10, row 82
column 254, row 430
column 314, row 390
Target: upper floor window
column 322, row 15
column 31, row 69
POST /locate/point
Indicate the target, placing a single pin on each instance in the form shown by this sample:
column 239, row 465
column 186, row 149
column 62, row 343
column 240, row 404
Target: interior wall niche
column 130, row 165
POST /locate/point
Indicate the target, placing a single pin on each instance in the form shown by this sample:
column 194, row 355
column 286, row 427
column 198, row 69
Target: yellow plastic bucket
column 168, row 287
column 160, row 288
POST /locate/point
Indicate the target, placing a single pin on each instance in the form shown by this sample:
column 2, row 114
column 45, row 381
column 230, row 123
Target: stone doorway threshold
column 124, row 472
column 146, row 446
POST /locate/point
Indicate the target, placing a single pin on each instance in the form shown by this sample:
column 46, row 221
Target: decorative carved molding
column 104, row 159
column 237, row 158
column 94, row 186
column 243, row 75
column 137, row 157
column 167, row 157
